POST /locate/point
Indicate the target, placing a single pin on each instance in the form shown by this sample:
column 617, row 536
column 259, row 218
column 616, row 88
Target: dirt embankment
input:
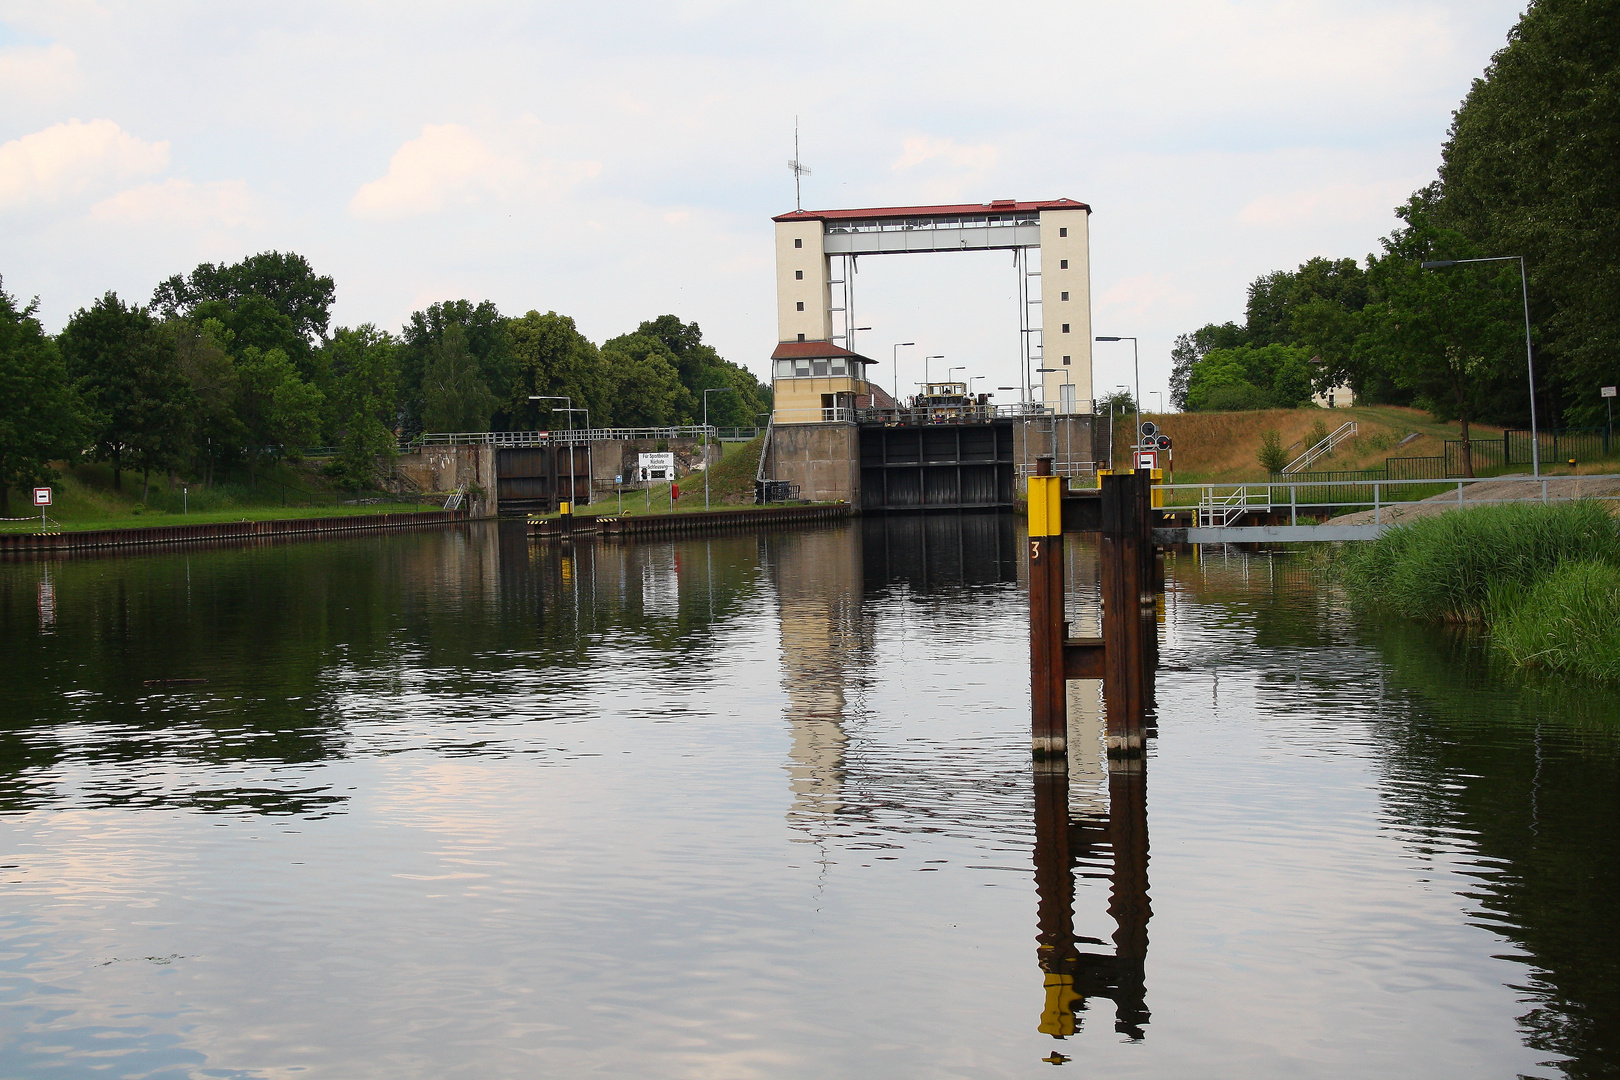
column 1222, row 447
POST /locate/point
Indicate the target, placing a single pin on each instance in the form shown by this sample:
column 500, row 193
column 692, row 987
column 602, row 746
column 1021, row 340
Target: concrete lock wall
column 440, row 470
column 618, row 457
column 823, row 459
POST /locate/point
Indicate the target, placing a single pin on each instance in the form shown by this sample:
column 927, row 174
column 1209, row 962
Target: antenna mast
column 798, row 168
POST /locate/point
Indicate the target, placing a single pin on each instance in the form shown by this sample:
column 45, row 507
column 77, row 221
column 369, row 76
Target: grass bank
column 1543, row 581
column 84, row 498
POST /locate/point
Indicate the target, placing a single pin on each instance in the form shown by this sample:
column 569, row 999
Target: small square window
column 1065, row 296
column 1063, row 265
column 1065, row 328
column 1063, row 232
column 801, row 305
column 798, row 275
column 801, row 337
column 798, row 243
column 1065, row 360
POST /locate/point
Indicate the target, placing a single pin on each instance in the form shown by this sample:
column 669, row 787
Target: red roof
column 999, row 206
column 814, row 350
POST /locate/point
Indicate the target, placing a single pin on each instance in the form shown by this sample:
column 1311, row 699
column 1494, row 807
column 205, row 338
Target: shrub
column 1272, row 456
column 1318, row 432
column 1446, row 567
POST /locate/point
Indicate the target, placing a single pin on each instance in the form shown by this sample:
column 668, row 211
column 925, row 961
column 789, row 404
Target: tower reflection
column 1079, row 968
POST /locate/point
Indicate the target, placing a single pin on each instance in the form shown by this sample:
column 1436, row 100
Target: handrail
column 1323, row 448
column 563, row 438
column 1220, row 500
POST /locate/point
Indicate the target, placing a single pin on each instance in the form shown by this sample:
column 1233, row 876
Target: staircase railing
column 1322, row 449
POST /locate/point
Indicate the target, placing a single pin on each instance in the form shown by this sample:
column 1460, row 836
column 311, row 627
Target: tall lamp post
column 1529, row 360
column 1160, row 395
column 894, row 358
column 554, row 397
column 941, row 356
column 706, row 393
column 1136, row 363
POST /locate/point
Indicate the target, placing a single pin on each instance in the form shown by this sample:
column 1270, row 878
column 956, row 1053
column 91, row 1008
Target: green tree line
column 233, row 367
column 1531, row 167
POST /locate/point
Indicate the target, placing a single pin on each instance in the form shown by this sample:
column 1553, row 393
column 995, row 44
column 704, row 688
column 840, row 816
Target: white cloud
column 178, row 202
column 37, row 73
column 449, row 165
column 1135, row 297
column 69, row 159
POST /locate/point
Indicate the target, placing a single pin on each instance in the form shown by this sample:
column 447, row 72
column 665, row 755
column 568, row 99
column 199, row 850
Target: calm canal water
column 449, row 804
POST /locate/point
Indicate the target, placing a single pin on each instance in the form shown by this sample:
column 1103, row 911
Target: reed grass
column 1544, row 581
column 1569, row 622
column 1443, row 568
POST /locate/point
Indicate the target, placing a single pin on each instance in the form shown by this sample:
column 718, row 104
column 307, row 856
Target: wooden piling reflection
column 1072, row 975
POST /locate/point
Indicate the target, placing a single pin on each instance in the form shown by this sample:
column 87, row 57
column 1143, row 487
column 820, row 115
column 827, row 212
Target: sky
column 618, row 161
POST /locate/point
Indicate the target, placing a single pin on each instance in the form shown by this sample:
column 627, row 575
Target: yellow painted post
column 565, row 509
column 1158, row 492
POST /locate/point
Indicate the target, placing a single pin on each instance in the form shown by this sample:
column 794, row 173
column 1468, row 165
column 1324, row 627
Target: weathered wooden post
column 1047, row 628
column 1125, row 534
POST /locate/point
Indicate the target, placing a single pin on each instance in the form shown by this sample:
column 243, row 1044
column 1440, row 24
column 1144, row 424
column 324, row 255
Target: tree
column 485, row 337
column 130, row 377
column 453, row 394
column 272, row 300
column 1276, row 298
column 645, row 384
column 286, row 280
column 1531, row 167
column 365, row 374
column 551, row 356
column 41, row 418
column 1450, row 336
column 204, row 362
column 1191, row 348
column 1250, row 377
column 280, row 411
column 700, row 368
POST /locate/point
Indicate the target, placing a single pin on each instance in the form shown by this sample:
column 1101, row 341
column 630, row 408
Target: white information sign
column 42, row 496
column 1609, row 391
column 1147, row 459
column 655, row 467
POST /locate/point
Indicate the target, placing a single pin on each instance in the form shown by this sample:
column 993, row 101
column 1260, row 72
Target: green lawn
column 84, row 498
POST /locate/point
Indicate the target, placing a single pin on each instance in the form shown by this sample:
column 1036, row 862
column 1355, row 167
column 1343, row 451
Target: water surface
column 452, row 804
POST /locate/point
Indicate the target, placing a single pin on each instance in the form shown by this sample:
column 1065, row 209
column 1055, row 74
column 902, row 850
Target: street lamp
column 1137, row 365
column 959, row 367
column 706, row 393
column 894, row 358
column 554, row 397
column 941, row 356
column 1529, row 360
column 1160, row 395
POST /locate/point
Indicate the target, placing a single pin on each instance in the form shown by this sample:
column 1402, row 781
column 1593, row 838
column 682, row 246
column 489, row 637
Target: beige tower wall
column 1075, row 312
column 814, row 290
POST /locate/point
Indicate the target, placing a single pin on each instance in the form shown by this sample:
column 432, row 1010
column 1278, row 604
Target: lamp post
column 941, row 356
column 1136, row 363
column 1160, row 395
column 894, row 358
column 959, row 367
column 572, row 490
column 554, row 397
column 706, row 393
column 1529, row 360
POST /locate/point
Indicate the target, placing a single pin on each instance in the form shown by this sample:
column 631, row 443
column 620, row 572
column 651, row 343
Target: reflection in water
column 1115, row 846
column 817, row 575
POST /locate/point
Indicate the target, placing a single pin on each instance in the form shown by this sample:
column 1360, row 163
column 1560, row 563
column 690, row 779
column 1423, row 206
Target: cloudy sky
column 615, row 161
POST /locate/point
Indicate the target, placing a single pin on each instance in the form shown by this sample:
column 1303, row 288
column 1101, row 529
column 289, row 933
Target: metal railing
column 1074, row 470
column 1221, row 505
column 556, row 438
column 1322, row 448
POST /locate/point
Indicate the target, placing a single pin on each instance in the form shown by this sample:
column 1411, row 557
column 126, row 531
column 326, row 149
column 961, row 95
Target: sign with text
column 1608, row 391
column 1147, row 459
column 655, row 467
column 42, row 496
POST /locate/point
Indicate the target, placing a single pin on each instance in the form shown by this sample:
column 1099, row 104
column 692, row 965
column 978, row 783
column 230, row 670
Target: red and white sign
column 42, row 496
column 1147, row 459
